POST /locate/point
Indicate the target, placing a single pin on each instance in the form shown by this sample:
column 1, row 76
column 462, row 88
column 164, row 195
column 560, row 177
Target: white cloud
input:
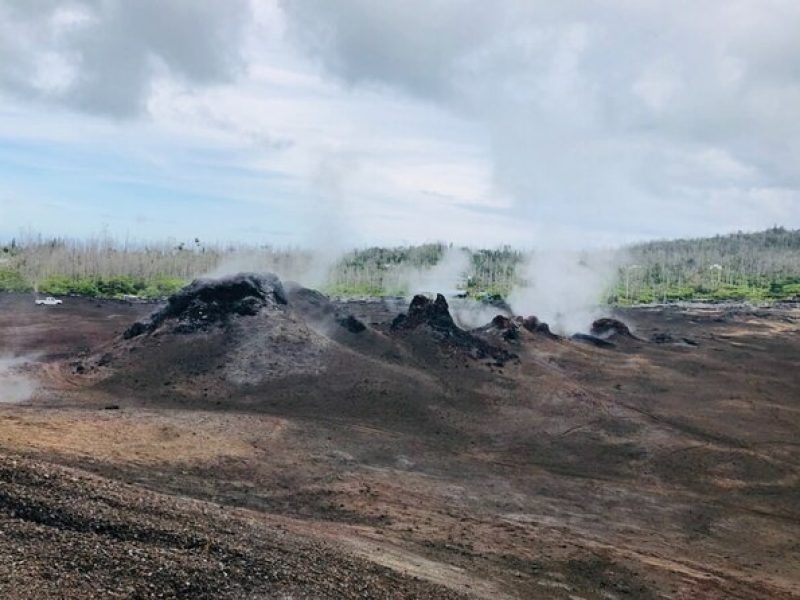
column 101, row 57
column 522, row 120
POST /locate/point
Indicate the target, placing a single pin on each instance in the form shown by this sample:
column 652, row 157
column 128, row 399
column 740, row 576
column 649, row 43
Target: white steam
column 446, row 277
column 565, row 289
column 469, row 314
column 15, row 386
column 311, row 269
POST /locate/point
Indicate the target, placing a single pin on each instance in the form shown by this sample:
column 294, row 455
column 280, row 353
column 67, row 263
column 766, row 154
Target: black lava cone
column 534, row 325
column 607, row 327
column 435, row 315
column 208, row 301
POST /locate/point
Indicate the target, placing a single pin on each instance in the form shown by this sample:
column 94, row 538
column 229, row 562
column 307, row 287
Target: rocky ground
column 261, row 448
column 71, row 535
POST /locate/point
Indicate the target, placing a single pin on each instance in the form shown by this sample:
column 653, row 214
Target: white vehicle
column 49, row 301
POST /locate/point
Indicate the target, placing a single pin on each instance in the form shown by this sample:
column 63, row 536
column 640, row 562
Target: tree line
column 741, row 266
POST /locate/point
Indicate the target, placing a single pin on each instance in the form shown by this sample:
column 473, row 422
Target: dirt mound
column 607, row 327
column 238, row 330
column 434, row 316
column 211, row 301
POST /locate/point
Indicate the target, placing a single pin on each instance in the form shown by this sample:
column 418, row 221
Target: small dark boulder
column 503, row 326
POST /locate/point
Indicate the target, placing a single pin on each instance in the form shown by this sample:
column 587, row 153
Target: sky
column 353, row 122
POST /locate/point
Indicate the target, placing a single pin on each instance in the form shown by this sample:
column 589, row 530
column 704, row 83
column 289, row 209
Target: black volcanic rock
column 534, row 325
column 503, row 326
column 608, row 327
column 435, row 314
column 209, row 301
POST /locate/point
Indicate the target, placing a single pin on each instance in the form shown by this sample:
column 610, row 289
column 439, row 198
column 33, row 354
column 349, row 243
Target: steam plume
column 564, row 288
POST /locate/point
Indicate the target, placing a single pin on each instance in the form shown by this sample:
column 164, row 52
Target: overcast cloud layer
column 532, row 123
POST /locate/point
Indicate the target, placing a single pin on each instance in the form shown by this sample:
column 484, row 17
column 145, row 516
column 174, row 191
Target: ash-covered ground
column 252, row 438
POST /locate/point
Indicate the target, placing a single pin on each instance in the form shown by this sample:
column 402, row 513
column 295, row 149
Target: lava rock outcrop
column 206, row 302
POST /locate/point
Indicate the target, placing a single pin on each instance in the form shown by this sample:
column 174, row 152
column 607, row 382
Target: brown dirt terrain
column 285, row 454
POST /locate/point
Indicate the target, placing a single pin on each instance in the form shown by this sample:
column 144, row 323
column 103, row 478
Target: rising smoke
column 446, row 277
column 311, row 268
column 564, row 288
